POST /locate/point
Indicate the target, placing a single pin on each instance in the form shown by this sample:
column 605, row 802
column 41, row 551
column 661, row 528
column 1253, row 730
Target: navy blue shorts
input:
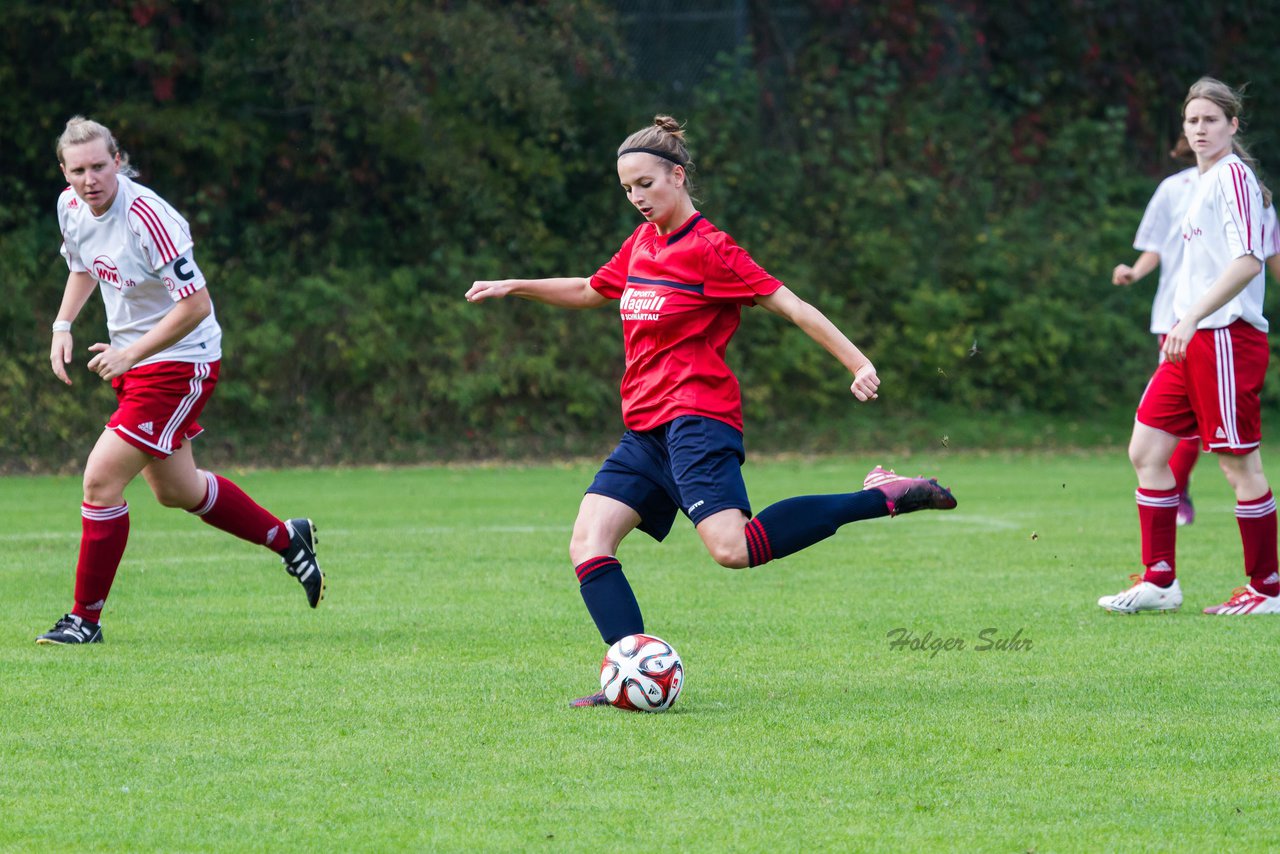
column 692, row 463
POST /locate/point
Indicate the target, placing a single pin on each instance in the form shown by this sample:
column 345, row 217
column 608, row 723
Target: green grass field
column 422, row 707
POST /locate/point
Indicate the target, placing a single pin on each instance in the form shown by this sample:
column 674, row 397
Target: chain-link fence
column 675, row 44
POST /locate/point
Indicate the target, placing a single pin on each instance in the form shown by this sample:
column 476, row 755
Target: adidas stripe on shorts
column 158, row 404
column 1214, row 392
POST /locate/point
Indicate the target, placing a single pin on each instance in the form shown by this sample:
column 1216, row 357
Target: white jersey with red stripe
column 1270, row 231
column 139, row 252
column 1161, row 232
column 1223, row 223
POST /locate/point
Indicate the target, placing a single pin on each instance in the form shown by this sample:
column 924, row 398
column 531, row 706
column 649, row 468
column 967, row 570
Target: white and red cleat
column 1143, row 596
column 908, row 494
column 1246, row 600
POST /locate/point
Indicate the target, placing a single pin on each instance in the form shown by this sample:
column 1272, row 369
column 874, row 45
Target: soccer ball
column 641, row 673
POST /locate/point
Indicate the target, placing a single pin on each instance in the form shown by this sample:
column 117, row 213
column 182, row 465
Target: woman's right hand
column 481, row 291
column 60, row 355
column 1122, row 275
column 1177, row 340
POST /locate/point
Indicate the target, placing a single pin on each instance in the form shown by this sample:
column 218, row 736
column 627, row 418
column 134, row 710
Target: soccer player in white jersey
column 1159, row 242
column 1271, row 240
column 162, row 361
column 1215, row 360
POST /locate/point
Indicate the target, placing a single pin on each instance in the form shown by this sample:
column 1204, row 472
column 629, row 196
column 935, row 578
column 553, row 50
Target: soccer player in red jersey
column 162, row 361
column 680, row 284
column 1215, row 360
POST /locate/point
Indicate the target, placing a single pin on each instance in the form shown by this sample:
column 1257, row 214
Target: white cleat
column 1144, row 596
column 1246, row 600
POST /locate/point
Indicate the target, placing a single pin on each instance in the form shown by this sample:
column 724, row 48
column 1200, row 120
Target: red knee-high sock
column 1158, row 517
column 104, row 532
column 227, row 507
column 1257, row 521
column 1183, row 461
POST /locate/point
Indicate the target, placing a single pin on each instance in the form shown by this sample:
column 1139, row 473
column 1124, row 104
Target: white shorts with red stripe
column 158, row 404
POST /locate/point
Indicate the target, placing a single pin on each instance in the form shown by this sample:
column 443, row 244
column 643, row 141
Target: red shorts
column 158, row 404
column 1214, row 392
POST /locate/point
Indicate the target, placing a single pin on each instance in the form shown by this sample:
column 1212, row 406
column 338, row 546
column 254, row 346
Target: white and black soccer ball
column 641, row 673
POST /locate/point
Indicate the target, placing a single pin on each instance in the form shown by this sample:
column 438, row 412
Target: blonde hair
column 665, row 139
column 80, row 130
column 1232, row 104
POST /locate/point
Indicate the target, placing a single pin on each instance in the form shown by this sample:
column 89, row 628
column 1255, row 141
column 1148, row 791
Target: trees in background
column 951, row 182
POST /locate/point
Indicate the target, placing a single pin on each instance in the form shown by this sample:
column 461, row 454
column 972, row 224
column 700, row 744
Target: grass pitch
column 422, row 706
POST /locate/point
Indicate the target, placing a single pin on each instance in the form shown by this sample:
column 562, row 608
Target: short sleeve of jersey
column 163, row 235
column 182, row 277
column 1270, row 231
column 611, row 279
column 69, row 251
column 1156, row 222
column 1241, row 201
column 730, row 273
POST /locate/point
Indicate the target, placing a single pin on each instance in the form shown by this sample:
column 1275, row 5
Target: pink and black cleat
column 909, row 494
column 1186, row 510
column 596, row 699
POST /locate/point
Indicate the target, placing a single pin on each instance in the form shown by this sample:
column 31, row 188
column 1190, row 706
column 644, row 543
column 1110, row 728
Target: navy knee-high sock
column 797, row 523
column 609, row 598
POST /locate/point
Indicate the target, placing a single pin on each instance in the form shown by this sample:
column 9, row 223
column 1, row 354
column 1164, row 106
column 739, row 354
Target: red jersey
column 681, row 297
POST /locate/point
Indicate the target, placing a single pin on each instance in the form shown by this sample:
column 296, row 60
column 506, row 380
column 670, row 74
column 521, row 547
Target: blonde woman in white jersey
column 1215, row 360
column 1159, row 242
column 162, row 360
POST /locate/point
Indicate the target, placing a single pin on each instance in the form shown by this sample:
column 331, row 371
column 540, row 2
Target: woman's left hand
column 865, row 383
column 109, row 363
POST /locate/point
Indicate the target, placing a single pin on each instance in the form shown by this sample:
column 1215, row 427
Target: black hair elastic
column 656, row 153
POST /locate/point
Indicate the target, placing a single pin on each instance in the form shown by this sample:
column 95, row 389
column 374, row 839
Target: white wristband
column 62, row 326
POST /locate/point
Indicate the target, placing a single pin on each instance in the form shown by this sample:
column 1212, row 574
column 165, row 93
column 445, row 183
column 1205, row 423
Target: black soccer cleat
column 908, row 494
column 72, row 629
column 300, row 559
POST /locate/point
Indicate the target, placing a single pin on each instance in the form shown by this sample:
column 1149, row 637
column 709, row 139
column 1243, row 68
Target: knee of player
column 171, row 498
column 100, row 491
column 1140, row 456
column 729, row 555
column 579, row 550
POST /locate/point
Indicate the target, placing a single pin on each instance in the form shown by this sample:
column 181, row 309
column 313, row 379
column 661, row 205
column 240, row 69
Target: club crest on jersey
column 641, row 304
column 104, row 270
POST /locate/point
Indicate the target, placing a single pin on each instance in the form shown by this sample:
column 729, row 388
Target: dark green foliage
column 950, row 184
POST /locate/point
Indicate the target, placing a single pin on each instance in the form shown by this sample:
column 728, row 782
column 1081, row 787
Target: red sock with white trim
column 1158, row 518
column 1183, row 460
column 104, row 533
column 1257, row 521
column 228, row 508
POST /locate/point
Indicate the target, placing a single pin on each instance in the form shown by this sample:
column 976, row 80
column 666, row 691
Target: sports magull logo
column 641, row 305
